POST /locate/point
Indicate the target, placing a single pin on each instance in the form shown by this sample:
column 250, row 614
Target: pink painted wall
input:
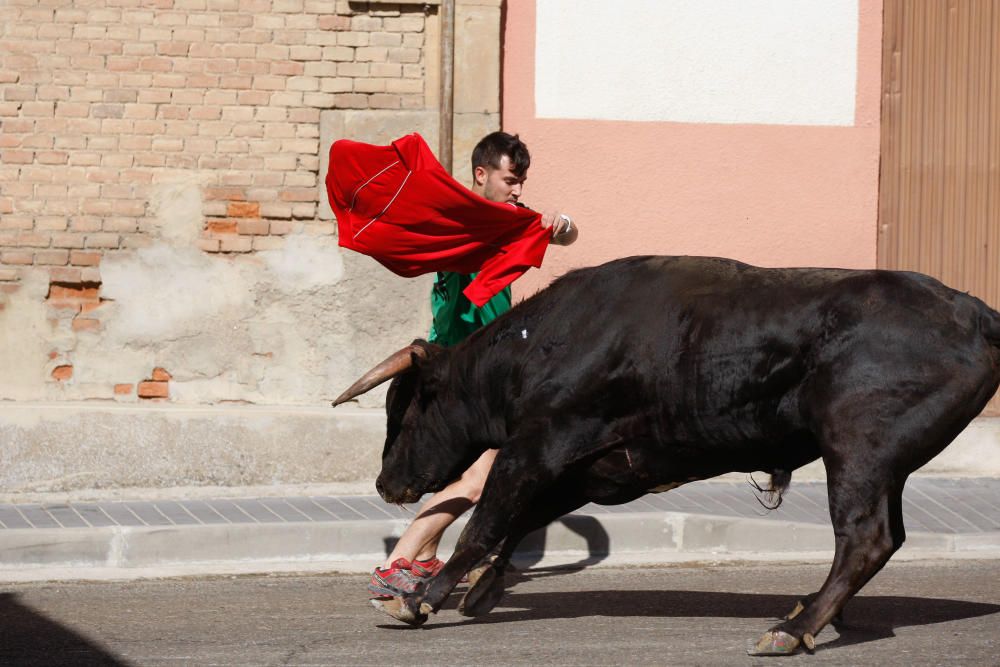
column 772, row 195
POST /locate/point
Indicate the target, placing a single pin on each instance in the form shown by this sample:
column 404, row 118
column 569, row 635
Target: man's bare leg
column 420, row 539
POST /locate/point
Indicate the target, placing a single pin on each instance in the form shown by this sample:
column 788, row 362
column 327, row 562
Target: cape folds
column 398, row 205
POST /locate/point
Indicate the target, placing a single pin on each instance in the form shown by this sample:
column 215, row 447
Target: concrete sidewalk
column 703, row 521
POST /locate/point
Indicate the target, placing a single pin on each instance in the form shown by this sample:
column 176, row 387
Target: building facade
column 174, row 309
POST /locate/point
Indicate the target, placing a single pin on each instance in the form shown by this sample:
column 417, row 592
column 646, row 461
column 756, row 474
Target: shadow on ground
column 867, row 618
column 531, row 550
column 30, row 639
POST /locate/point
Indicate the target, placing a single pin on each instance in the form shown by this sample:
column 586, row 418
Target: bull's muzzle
column 397, row 496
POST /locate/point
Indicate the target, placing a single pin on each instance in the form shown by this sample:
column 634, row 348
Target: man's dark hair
column 492, row 147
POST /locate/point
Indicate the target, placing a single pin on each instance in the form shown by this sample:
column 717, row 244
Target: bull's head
column 421, row 453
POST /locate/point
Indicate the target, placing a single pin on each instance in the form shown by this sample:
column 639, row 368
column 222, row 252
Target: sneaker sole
column 385, row 591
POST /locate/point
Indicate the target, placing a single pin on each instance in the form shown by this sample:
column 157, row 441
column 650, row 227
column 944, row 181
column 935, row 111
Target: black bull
column 648, row 372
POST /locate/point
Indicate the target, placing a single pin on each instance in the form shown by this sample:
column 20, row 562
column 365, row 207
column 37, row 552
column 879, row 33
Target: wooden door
column 939, row 190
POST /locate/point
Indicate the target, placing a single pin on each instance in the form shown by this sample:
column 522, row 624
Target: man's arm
column 564, row 230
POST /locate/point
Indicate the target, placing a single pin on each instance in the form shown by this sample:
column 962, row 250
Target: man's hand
column 564, row 230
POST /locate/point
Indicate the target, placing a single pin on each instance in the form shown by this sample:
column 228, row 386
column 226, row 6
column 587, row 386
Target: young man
column 500, row 164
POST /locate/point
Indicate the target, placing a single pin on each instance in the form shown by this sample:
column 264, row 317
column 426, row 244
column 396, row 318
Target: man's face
column 501, row 184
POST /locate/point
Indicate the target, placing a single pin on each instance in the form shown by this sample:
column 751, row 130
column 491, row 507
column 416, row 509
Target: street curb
column 634, row 538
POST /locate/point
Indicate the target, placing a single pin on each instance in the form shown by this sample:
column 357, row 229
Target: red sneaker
column 396, row 580
column 426, row 569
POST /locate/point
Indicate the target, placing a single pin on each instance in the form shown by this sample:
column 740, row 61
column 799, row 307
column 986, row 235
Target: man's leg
column 420, row 539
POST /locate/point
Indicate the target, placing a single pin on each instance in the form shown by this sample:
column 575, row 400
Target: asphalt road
column 913, row 613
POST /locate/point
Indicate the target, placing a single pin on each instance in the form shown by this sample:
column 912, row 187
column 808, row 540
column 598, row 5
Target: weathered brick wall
column 105, row 102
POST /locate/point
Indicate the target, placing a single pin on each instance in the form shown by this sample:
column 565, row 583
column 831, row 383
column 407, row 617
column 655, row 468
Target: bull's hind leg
column 868, row 527
column 872, row 444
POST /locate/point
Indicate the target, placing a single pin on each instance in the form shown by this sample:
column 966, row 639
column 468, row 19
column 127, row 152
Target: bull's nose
column 379, row 487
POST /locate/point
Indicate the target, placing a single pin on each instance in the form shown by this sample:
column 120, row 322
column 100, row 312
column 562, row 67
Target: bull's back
column 717, row 343
column 710, row 301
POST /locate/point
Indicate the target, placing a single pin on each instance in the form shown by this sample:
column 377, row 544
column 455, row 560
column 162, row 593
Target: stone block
column 57, row 546
column 477, row 59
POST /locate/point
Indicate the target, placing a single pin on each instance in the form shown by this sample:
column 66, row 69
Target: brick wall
column 102, row 101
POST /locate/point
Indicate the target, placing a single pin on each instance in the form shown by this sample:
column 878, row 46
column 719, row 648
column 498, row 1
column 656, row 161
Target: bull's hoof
column 486, row 587
column 476, row 573
column 775, row 642
column 402, row 609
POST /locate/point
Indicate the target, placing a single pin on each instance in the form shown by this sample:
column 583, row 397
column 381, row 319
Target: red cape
column 398, row 205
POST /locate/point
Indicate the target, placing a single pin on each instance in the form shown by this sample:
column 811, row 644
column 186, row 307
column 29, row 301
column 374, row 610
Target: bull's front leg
column 486, row 580
column 510, row 486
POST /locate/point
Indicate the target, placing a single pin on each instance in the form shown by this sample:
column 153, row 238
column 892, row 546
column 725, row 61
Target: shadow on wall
column 30, row 639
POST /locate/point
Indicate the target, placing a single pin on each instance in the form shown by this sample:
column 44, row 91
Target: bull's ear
column 429, row 369
column 422, row 352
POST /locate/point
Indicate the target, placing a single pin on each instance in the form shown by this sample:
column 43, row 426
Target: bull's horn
column 388, row 369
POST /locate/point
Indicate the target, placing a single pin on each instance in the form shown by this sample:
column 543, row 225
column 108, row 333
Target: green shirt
column 454, row 316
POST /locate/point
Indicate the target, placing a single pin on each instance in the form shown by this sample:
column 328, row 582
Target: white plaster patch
column 305, row 263
column 266, row 327
column 225, row 385
column 698, row 61
column 170, row 304
column 178, row 207
column 162, row 292
column 101, row 362
column 247, row 328
column 26, row 337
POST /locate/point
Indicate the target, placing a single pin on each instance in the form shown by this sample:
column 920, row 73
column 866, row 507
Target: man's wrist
column 569, row 224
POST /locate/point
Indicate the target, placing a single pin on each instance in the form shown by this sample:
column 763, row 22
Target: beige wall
column 167, row 271
column 791, row 188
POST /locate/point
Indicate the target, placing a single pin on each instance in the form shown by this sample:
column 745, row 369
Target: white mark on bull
column 628, row 457
column 524, row 334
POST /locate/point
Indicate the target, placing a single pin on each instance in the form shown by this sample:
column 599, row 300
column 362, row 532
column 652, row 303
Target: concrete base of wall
column 69, row 448
column 974, row 453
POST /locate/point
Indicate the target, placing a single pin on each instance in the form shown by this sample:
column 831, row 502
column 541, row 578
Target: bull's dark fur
column 652, row 371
